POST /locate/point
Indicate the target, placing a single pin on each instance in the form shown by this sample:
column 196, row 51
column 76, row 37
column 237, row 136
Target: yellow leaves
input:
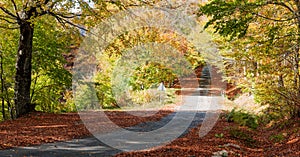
column 2, row 4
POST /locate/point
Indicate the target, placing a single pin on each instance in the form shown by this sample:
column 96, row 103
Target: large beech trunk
column 23, row 70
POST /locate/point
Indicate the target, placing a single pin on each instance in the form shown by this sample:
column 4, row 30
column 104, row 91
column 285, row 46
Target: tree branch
column 277, row 20
column 46, row 2
column 70, row 16
column 281, row 4
column 16, row 9
column 7, row 17
column 8, row 12
column 6, row 20
column 64, row 21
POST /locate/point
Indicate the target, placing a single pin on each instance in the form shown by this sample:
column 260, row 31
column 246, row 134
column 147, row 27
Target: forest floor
column 37, row 128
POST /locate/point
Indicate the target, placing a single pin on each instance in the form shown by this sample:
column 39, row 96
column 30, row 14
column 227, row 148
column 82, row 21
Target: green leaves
column 8, row 46
column 243, row 118
column 229, row 18
column 50, row 78
column 151, row 75
column 260, row 40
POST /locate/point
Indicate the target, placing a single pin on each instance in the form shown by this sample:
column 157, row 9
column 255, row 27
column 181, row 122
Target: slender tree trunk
column 280, row 77
column 23, row 70
column 297, row 56
column 297, row 75
column 280, row 81
column 2, row 87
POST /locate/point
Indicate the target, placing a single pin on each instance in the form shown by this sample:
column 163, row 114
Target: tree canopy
column 27, row 16
column 261, row 42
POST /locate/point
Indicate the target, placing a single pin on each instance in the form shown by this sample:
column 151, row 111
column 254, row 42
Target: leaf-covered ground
column 37, row 128
column 283, row 140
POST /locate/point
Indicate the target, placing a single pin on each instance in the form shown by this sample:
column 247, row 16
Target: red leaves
column 191, row 145
column 37, row 128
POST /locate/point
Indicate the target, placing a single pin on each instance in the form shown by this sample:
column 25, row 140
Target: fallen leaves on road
column 37, row 127
column 191, row 145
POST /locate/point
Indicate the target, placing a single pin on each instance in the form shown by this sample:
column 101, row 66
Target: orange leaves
column 37, row 128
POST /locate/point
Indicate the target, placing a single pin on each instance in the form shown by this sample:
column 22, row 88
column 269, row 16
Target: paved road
column 144, row 135
column 91, row 146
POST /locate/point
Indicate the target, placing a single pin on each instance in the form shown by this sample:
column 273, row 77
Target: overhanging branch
column 8, row 12
column 281, row 4
column 8, row 21
column 16, row 9
column 63, row 21
column 272, row 19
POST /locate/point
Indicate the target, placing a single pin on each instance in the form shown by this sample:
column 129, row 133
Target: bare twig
column 64, row 21
column 70, row 16
column 16, row 9
column 8, row 12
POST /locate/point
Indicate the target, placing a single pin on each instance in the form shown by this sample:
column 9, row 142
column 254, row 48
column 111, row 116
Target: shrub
column 276, row 114
column 243, row 118
column 152, row 97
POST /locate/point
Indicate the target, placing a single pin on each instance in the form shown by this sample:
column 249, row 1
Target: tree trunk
column 23, row 70
column 280, row 81
column 2, row 86
column 297, row 56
